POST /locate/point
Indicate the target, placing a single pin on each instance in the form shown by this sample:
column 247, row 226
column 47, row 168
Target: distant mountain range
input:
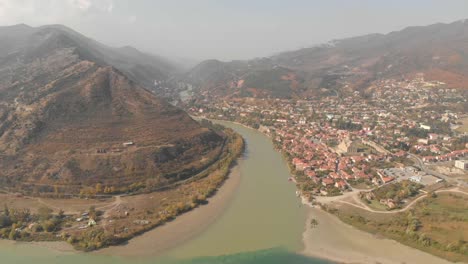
column 69, row 103
column 439, row 51
column 75, row 113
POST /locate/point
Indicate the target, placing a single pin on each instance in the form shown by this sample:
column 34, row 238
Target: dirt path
column 182, row 229
column 364, row 207
column 74, row 211
column 39, row 200
column 115, row 204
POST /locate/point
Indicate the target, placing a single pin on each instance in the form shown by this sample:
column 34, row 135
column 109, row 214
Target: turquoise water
column 263, row 223
column 267, row 257
column 32, row 254
column 259, row 257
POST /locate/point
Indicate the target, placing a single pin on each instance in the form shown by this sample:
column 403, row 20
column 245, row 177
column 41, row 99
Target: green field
column 362, row 185
column 376, row 205
column 437, row 225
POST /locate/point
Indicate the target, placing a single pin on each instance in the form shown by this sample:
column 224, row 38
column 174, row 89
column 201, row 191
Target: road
column 364, row 207
column 418, row 160
column 107, row 207
column 423, row 167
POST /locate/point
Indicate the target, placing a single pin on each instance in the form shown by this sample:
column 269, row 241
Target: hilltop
column 436, row 51
column 75, row 113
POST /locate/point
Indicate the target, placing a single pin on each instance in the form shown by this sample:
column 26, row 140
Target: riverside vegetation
column 438, row 225
column 94, row 229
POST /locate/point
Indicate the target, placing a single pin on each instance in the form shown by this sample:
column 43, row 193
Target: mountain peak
column 80, row 100
column 20, row 26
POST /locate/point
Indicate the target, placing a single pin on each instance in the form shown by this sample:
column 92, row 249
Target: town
column 402, row 130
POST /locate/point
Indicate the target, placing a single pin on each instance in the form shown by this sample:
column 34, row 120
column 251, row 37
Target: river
column 263, row 223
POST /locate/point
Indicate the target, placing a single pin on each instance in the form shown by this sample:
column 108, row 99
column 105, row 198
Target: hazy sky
column 234, row 29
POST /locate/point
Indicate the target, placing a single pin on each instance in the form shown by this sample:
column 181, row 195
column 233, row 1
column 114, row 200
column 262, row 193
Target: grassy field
column 452, row 212
column 376, row 205
column 360, row 185
column 437, row 225
column 463, row 128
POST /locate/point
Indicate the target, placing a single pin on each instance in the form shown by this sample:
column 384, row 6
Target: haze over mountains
column 68, row 104
column 438, row 51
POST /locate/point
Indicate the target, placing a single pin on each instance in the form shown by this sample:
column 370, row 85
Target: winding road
column 364, row 207
column 106, row 207
column 423, row 167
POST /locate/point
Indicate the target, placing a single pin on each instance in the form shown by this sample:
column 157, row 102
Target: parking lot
column 410, row 173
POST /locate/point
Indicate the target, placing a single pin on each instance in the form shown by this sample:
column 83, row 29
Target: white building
column 425, row 127
column 128, row 144
column 461, row 164
column 415, row 179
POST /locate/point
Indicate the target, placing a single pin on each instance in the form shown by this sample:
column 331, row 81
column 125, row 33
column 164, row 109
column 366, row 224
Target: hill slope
column 67, row 105
column 439, row 51
column 253, row 78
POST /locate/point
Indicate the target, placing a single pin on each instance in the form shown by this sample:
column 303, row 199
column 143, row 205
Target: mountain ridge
column 438, row 51
column 73, row 117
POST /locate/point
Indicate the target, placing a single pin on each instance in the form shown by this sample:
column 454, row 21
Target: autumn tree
column 98, row 188
column 44, row 213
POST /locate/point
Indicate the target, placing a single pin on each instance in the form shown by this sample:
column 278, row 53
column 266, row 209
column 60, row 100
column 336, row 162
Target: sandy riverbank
column 58, row 247
column 161, row 239
column 183, row 228
column 337, row 241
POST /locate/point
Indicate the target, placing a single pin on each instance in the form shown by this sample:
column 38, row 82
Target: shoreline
column 331, row 240
column 185, row 225
column 58, row 247
column 339, row 247
column 337, row 241
column 224, row 169
column 161, row 240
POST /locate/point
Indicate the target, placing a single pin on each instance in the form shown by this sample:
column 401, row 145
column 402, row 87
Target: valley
column 89, row 155
column 126, row 154
column 357, row 141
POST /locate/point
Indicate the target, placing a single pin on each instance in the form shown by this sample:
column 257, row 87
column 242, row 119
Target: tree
column 6, row 210
column 390, row 194
column 48, row 226
column 44, row 213
column 37, row 228
column 92, row 212
column 98, row 188
column 12, row 235
column 413, row 224
column 22, row 215
column 61, row 214
column 424, row 240
column 313, row 222
column 5, row 221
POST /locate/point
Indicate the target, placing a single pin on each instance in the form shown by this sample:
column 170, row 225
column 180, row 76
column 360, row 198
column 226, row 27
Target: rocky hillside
column 73, row 115
column 253, row 78
column 438, row 51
